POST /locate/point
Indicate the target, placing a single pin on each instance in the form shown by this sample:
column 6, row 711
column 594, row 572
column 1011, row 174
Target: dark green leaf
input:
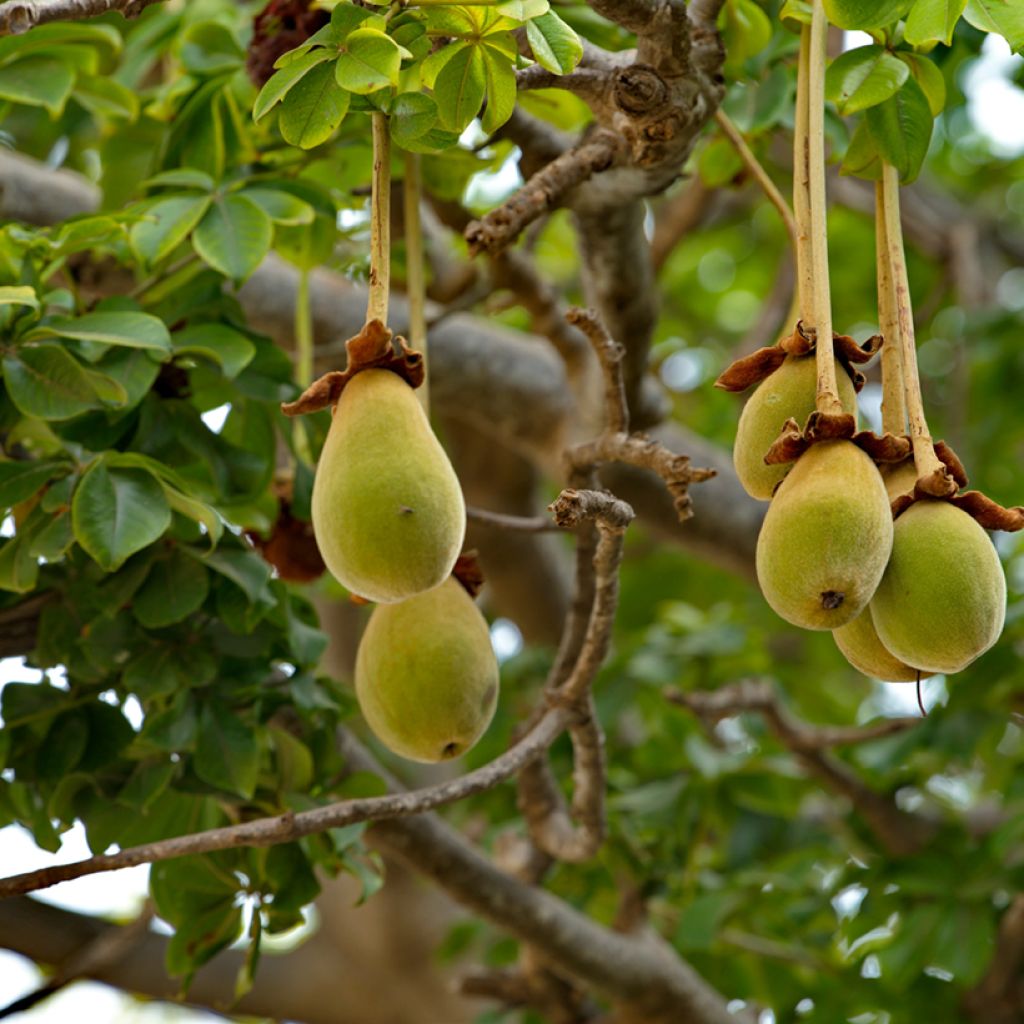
column 280, row 206
column 132, row 330
column 227, row 755
column 39, row 82
column 459, row 88
column 413, row 114
column 862, row 77
column 313, row 109
column 175, row 587
column 234, row 236
column 281, row 82
column 20, row 480
column 166, row 224
column 228, row 348
column 902, row 128
column 45, row 381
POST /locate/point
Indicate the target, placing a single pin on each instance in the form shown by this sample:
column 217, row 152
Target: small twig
column 415, row 264
column 589, row 83
column 17, row 16
column 761, row 176
column 503, row 521
column 610, row 354
column 380, row 221
column 899, row 832
column 285, row 828
column 931, row 472
column 894, row 408
column 543, row 192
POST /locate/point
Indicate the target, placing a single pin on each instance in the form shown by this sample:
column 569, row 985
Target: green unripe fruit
column 426, row 674
column 788, row 392
column 865, row 652
column 388, row 513
column 899, row 480
column 942, row 600
column 826, row 538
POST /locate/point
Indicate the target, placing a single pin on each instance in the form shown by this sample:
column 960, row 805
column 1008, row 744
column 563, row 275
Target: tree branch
column 999, row 997
column 899, row 832
column 18, row 16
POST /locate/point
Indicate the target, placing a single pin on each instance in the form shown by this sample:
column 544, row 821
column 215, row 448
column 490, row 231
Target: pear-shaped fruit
column 426, row 674
column 826, row 538
column 865, row 652
column 388, row 513
column 899, row 479
column 789, row 391
column 942, row 600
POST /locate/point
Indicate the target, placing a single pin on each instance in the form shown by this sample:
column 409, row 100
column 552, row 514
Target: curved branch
column 18, row 16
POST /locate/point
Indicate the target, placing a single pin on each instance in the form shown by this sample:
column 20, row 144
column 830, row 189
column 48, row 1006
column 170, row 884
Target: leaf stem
column 813, row 173
column 925, row 460
column 380, row 221
column 415, row 264
column 894, row 406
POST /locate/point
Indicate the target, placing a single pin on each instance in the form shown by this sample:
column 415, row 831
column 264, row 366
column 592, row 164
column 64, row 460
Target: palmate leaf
column 370, row 61
column 38, row 81
column 554, row 44
column 233, row 236
column 933, row 21
column 47, row 382
column 314, row 108
column 460, row 87
column 862, row 77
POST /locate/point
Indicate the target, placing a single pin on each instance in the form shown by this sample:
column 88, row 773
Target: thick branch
column 17, row 16
column 900, row 833
column 999, row 997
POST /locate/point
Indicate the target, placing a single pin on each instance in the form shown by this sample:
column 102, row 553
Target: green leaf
column 902, row 129
column 370, row 61
column 862, row 159
column 18, row 295
column 196, row 510
column 227, row 754
column 501, row 89
column 20, row 480
column 554, row 44
column 865, row 14
column 313, row 110
column 245, row 569
column 746, row 32
column 54, row 539
column 130, row 330
column 459, row 88
column 281, row 82
column 929, row 77
column 523, row 10
column 933, row 21
column 795, row 13
column 1005, row 17
column 19, row 570
column 862, row 77
column 175, row 587
column 166, row 224
column 231, row 350
column 116, row 512
column 413, row 114
column 106, row 97
column 280, row 206
column 46, row 381
column 181, row 177
column 38, row 82
column 210, row 48
column 234, row 236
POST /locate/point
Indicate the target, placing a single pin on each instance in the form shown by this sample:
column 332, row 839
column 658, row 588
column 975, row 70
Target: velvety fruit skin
column 865, row 652
column 899, row 480
column 388, row 513
column 826, row 538
column 942, row 600
column 789, row 391
column 426, row 675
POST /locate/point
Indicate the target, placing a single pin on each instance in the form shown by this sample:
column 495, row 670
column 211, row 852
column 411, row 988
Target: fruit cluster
column 390, row 522
column 904, row 599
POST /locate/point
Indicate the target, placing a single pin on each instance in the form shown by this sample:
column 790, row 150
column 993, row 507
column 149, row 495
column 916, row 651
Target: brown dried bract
column 468, row 572
column 371, row 348
column 753, row 369
column 951, row 461
column 291, row 547
column 938, row 484
column 889, row 448
column 989, row 513
column 792, row 442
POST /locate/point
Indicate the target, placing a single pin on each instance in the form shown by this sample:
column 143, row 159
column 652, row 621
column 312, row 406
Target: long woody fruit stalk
column 894, row 406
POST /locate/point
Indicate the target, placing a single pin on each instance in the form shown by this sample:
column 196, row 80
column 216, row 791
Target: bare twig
column 589, row 83
column 502, row 521
column 286, row 828
column 543, row 192
column 899, row 832
column 610, row 355
column 17, row 16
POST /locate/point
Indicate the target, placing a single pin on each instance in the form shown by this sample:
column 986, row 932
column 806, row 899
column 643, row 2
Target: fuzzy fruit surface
column 899, row 479
column 942, row 600
column 387, row 507
column 789, row 391
column 826, row 538
column 426, row 674
column 861, row 647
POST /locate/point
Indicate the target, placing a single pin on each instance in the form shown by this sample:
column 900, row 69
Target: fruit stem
column 801, row 192
column 761, row 176
column 303, row 357
column 894, row 406
column 926, row 461
column 412, row 194
column 380, row 221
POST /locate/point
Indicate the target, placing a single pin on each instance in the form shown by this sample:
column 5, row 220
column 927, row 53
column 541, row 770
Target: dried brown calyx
column 750, row 370
column 371, row 348
column 291, row 547
column 468, row 572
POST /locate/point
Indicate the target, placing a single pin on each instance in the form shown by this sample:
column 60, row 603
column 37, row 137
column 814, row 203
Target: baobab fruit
column 788, row 392
column 942, row 600
column 426, row 674
column 388, row 513
column 826, row 538
column 861, row 647
column 899, row 479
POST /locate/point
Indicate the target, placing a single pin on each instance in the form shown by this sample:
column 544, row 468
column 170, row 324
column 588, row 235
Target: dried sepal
column 468, row 572
column 937, row 484
column 951, row 461
column 788, row 446
column 371, row 348
column 988, row 513
column 887, row 448
column 291, row 546
column 754, row 368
